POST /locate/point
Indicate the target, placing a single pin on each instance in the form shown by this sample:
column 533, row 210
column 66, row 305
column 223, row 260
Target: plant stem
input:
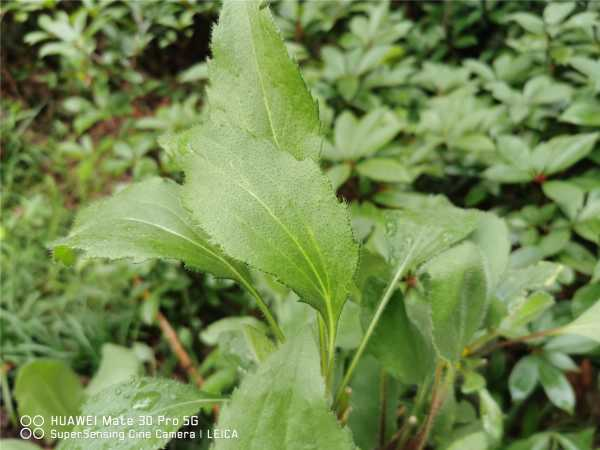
column 389, row 290
column 265, row 310
column 331, row 359
column 519, row 340
column 437, row 399
column 415, row 411
column 184, row 359
column 383, row 406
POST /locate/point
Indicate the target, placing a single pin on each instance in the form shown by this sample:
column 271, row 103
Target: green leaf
column 17, row 444
column 523, row 378
column 243, row 338
column 339, row 174
column 562, row 152
column 133, row 402
column 426, row 233
column 585, row 113
column 492, row 237
column 525, row 311
column 529, row 22
column 569, row 196
column 356, row 138
column 491, row 416
column 282, row 406
column 587, row 324
column 396, row 342
column 557, row 387
column 556, row 12
column 118, row 364
column 385, row 169
column 254, row 85
column 145, row 221
column 456, row 293
column 274, row 213
column 472, row 382
column 48, row 388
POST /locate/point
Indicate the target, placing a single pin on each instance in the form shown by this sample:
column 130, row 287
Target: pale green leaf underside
column 277, row 214
column 145, row 221
column 133, row 399
column 255, row 85
column 282, row 406
column 587, row 325
column 427, row 233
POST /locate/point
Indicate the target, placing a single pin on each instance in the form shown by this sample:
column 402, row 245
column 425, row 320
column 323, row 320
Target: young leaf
column 456, row 293
column 273, row 212
column 426, row 233
column 493, row 239
column 283, row 406
column 557, row 387
column 151, row 398
column 523, row 378
column 118, row 364
column 48, row 388
column 525, row 311
column 587, row 324
column 254, row 85
column 491, row 416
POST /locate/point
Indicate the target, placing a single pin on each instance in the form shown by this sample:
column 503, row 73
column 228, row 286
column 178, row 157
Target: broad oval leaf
column 48, row 388
column 562, row 152
column 557, row 387
column 456, row 294
column 587, row 324
column 283, row 406
column 254, row 85
column 137, row 407
column 275, row 213
column 523, row 378
column 144, row 221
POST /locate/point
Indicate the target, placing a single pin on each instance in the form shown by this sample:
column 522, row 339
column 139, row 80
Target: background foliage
column 494, row 105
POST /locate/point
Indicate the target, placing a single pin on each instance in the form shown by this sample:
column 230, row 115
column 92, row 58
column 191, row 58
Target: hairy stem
column 437, row 399
column 387, row 295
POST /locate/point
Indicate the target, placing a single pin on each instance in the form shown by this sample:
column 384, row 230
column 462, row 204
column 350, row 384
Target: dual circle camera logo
column 31, row 427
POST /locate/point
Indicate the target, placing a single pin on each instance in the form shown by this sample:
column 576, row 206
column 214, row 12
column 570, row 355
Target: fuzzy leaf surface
column 256, row 86
column 130, row 400
column 145, row 221
column 456, row 293
column 282, row 405
column 273, row 212
column 426, row 233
